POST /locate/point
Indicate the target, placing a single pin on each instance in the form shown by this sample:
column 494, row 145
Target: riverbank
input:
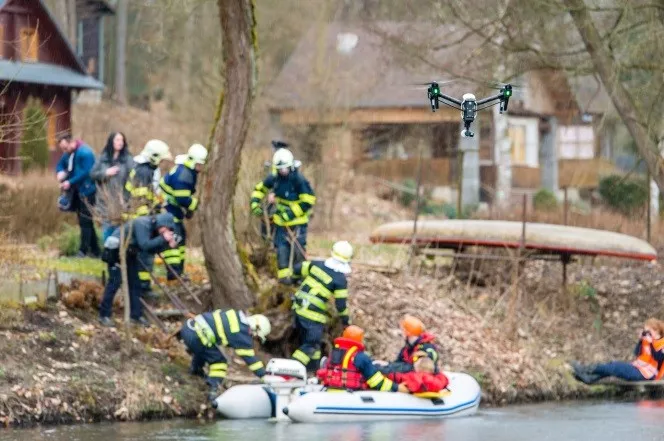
column 59, row 367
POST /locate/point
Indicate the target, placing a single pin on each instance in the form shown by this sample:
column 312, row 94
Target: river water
column 641, row 421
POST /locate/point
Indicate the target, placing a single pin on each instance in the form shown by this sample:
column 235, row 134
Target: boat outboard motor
column 284, row 375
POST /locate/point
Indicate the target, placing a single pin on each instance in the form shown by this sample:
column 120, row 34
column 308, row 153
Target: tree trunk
column 238, row 27
column 72, row 22
column 629, row 113
column 121, row 52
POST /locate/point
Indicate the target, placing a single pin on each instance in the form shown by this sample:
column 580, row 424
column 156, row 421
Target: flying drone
column 469, row 105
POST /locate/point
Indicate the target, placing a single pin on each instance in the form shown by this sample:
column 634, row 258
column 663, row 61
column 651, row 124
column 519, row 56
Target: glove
column 287, row 214
column 189, row 214
column 256, row 210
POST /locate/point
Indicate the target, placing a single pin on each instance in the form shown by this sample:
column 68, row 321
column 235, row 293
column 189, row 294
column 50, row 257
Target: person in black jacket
column 147, row 234
column 110, row 173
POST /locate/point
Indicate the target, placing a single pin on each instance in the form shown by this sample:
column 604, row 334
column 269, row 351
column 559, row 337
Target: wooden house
column 355, row 82
column 90, row 42
column 36, row 60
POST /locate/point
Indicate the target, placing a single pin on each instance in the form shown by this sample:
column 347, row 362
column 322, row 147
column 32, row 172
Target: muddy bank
column 59, row 367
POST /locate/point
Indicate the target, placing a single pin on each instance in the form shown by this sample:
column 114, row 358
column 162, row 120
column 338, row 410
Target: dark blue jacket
column 79, row 177
column 294, row 197
column 179, row 187
column 145, row 236
column 320, row 284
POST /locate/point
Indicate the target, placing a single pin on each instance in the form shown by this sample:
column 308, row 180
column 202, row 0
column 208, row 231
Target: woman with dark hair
column 110, row 173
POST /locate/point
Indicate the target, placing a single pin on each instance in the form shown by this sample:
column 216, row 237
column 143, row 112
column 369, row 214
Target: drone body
column 468, row 104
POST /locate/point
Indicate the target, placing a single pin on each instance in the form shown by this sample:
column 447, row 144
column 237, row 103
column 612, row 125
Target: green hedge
column 624, row 195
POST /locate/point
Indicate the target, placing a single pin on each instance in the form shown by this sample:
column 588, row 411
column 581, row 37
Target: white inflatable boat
column 287, row 395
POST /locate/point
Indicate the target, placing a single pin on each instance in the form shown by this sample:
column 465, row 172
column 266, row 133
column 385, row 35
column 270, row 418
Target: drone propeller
column 440, row 83
column 498, row 85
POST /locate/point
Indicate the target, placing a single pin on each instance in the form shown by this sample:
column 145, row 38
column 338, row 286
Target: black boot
column 585, row 374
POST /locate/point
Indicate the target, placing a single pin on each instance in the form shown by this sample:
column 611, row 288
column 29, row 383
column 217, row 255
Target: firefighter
column 179, row 187
column 323, row 280
column 294, row 199
column 203, row 334
column 350, row 368
column 143, row 198
column 147, row 234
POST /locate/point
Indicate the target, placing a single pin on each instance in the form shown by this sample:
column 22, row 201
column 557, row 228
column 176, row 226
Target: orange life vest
column 646, row 363
column 340, row 371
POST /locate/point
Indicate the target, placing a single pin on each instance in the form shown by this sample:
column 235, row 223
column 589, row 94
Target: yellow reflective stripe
column 312, row 315
column 256, row 366
column 193, row 205
column 278, row 220
column 129, row 186
column 317, row 355
column 375, row 379
column 308, row 198
column 173, row 192
column 305, row 267
column 140, row 192
column 233, row 322
column 340, row 293
column 284, row 272
column 320, row 275
column 245, row 352
column 297, row 210
column 218, row 370
column 432, row 354
column 317, row 287
column 312, row 299
column 259, row 187
column 347, row 357
column 257, row 194
column 144, row 275
column 171, row 252
column 387, row 385
column 301, row 357
column 220, row 327
column 343, row 313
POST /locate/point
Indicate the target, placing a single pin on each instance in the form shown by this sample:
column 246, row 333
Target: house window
column 576, row 142
column 51, row 128
column 29, row 44
column 517, row 136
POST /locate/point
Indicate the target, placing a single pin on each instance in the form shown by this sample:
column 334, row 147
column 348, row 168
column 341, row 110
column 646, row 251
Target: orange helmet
column 412, row 326
column 354, row 333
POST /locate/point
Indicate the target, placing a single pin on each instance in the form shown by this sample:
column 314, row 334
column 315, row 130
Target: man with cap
column 205, row 333
column 145, row 234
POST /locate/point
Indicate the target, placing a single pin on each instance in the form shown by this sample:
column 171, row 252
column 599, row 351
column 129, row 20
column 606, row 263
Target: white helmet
column 342, row 251
column 197, row 153
column 260, row 325
column 155, row 151
column 283, row 158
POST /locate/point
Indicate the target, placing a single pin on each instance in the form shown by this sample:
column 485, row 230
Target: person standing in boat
column 649, row 363
column 205, row 333
column 322, row 281
column 350, row 368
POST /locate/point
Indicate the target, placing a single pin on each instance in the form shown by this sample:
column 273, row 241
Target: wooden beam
column 390, row 115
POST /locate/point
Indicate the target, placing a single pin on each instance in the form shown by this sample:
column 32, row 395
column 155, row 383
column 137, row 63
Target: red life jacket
column 417, row 382
column 408, row 351
column 340, row 371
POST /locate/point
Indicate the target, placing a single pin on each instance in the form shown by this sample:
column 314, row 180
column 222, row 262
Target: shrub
column 624, row 195
column 34, row 143
column 545, row 200
column 406, row 198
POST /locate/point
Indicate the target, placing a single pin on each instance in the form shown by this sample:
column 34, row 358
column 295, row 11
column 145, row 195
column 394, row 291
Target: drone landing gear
column 466, row 133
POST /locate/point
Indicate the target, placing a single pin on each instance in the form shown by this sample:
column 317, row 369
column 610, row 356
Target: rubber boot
column 585, row 374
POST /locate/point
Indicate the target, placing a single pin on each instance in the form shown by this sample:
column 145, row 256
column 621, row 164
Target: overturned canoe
column 507, row 234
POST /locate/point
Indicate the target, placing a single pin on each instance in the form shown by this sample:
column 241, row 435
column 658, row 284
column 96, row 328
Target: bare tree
column 121, row 52
column 238, row 28
column 603, row 62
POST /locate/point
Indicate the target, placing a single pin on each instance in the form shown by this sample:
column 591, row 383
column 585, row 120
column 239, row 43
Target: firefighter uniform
column 350, row 368
column 224, row 327
column 311, row 302
column 294, row 199
column 179, row 187
column 144, row 201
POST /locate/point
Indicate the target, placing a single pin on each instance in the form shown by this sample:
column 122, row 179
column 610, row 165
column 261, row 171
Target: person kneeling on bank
column 649, row 363
column 423, row 378
column 205, row 333
column 146, row 235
